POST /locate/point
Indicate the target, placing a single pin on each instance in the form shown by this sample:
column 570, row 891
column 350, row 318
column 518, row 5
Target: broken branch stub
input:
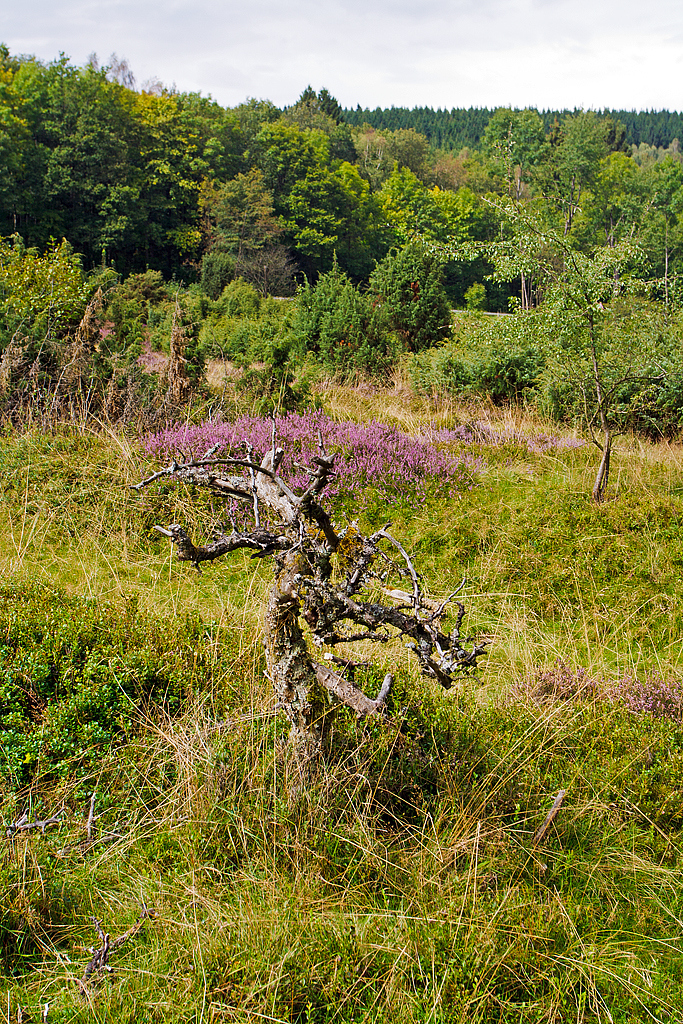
column 330, row 587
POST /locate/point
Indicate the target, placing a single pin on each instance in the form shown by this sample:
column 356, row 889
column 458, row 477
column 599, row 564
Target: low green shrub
column 342, row 327
column 75, row 673
column 218, row 270
column 501, row 373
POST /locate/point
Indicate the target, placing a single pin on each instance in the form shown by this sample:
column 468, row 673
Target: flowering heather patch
column 655, row 695
column 483, row 433
column 559, row 682
column 367, row 455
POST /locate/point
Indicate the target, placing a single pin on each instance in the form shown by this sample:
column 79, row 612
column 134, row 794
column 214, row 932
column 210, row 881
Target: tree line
column 152, row 178
column 464, row 127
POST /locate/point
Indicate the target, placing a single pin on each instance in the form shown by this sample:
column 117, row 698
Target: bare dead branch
column 22, row 824
column 440, row 608
column 339, row 607
column 406, row 599
column 254, row 488
column 91, row 815
column 384, row 691
column 364, row 559
column 417, row 594
column 350, row 694
column 100, row 959
column 550, row 817
column 261, row 540
column 184, row 471
column 332, row 639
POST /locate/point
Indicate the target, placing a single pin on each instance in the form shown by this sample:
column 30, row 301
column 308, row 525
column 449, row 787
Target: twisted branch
column 306, row 587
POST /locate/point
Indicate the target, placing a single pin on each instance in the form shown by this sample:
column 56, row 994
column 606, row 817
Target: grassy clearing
column 404, row 883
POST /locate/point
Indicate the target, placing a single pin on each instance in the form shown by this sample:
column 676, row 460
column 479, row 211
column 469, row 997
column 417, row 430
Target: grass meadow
column 406, row 882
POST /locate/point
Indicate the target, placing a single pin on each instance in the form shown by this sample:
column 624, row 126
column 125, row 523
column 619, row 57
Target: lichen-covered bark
column 325, row 590
column 288, row 660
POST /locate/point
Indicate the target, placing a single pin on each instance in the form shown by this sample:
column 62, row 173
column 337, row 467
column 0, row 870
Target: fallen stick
column 91, row 815
column 550, row 817
column 100, row 958
column 22, row 824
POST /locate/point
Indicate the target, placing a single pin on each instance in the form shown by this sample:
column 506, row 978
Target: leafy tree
column 516, row 141
column 238, row 216
column 613, row 209
column 662, row 233
column 410, row 207
column 218, row 269
column 439, row 215
column 462, row 216
column 170, row 156
column 578, row 146
column 450, row 172
column 112, row 169
column 334, row 215
column 80, row 166
column 594, row 335
column 410, row 289
column 315, row 218
column 13, row 138
column 372, row 154
column 409, row 149
column 315, row 110
column 286, row 154
column 475, row 297
column 364, row 237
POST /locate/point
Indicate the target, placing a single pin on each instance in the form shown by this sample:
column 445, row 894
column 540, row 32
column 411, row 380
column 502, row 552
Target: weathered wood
column 550, row 817
column 350, row 694
column 309, row 601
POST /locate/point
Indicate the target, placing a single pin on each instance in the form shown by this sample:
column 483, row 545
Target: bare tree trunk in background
column 602, row 478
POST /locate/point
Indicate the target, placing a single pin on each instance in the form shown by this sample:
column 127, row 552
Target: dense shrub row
column 116, row 362
column 513, row 359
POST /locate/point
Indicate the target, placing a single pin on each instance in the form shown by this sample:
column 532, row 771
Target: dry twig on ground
column 92, row 974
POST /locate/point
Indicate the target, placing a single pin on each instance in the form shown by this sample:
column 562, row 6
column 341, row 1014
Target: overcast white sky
column 441, row 53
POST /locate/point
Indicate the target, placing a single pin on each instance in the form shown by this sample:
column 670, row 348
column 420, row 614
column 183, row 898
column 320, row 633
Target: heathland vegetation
column 487, row 340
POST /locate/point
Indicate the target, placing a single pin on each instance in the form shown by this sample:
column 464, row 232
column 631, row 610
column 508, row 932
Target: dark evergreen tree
column 409, row 286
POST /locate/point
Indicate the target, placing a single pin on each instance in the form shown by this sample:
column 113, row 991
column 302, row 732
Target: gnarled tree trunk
column 315, row 599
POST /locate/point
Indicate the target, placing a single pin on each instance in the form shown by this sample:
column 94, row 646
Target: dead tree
column 332, row 586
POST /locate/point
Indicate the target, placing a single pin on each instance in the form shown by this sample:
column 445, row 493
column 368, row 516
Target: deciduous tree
column 596, row 338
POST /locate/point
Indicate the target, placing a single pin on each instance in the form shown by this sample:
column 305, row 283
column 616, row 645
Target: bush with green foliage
column 242, row 326
column 475, row 297
column 411, row 293
column 131, row 308
column 218, row 270
column 75, row 675
column 278, row 386
column 497, row 357
column 342, row 326
column 42, row 296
